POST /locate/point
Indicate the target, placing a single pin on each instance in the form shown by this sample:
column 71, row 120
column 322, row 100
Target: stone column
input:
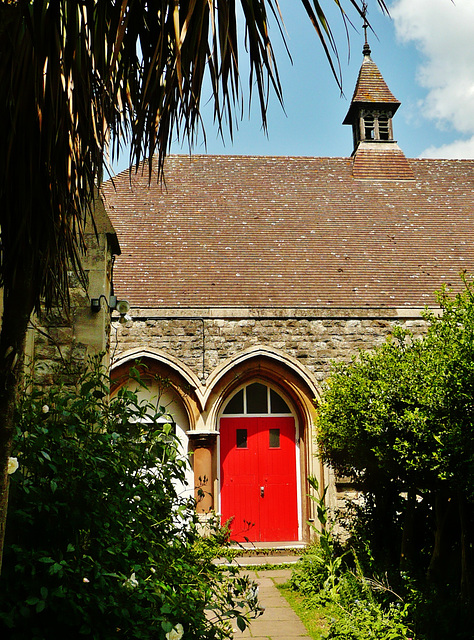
column 203, row 446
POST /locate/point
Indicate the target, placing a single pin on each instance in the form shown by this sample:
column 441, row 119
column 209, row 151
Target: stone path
column 279, row 621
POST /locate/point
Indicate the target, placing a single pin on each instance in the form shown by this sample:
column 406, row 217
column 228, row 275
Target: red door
column 258, row 478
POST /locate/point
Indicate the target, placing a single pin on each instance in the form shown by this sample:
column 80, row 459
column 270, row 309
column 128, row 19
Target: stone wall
column 205, row 339
column 66, row 337
column 204, row 342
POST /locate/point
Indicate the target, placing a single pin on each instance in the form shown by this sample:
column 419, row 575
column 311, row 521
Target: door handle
column 262, row 492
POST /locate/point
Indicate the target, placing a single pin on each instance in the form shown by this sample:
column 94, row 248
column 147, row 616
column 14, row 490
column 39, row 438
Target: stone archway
column 205, row 402
column 259, row 474
column 293, row 384
column 161, row 387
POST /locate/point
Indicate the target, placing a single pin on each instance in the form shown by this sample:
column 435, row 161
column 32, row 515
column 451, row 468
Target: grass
column 270, row 567
column 317, row 620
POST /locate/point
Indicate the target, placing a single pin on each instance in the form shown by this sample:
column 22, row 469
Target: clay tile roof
column 370, row 88
column 389, row 164
column 231, row 231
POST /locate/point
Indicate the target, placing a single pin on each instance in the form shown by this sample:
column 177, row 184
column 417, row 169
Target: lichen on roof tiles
column 378, row 231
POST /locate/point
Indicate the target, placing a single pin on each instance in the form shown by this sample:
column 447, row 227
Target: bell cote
column 372, row 107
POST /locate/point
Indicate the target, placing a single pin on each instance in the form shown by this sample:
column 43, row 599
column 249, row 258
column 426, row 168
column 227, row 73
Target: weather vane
column 365, row 26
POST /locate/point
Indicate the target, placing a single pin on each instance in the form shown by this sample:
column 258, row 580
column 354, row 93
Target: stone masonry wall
column 64, row 339
column 55, row 345
column 316, row 343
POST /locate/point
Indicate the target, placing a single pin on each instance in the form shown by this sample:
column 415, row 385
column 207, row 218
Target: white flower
column 12, row 465
column 137, row 498
column 176, row 633
column 132, row 582
column 85, row 579
column 152, row 570
column 45, row 408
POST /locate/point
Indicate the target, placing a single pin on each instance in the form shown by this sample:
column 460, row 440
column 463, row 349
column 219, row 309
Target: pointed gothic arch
column 204, row 403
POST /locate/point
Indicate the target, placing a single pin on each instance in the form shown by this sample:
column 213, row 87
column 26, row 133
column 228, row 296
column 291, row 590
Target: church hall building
column 249, row 276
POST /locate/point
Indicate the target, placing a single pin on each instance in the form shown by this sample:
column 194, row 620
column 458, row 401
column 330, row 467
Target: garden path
column 279, row 621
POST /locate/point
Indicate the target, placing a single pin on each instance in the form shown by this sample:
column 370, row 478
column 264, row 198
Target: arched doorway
column 158, row 392
column 258, row 466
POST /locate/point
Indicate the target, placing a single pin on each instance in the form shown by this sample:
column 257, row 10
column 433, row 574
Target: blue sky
column 425, row 52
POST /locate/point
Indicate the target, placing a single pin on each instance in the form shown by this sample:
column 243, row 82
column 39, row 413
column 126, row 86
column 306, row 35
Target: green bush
column 99, row 545
column 317, row 574
column 366, row 620
column 357, row 610
column 311, row 572
column 332, row 580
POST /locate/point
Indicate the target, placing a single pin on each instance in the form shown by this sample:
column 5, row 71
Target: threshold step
column 272, row 549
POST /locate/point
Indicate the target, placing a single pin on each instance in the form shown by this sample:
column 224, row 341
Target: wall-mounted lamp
column 122, row 306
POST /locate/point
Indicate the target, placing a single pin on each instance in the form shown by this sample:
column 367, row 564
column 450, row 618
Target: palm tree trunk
column 17, row 309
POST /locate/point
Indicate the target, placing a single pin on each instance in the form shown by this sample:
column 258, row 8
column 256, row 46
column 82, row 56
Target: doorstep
column 266, row 553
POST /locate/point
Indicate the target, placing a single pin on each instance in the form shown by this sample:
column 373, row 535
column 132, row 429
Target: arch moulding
column 268, row 364
column 182, row 378
column 264, row 362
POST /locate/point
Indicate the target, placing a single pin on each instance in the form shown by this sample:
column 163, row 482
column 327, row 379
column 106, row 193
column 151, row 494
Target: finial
column 366, row 49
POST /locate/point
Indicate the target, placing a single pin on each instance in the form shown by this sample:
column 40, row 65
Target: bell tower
column 373, row 105
column 376, row 154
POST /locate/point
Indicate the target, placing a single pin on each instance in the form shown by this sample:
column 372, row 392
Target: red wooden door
column 258, row 478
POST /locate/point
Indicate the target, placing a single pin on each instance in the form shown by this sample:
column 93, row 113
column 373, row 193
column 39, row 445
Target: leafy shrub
column 366, row 620
column 328, row 577
column 310, row 573
column 99, row 545
column 318, row 572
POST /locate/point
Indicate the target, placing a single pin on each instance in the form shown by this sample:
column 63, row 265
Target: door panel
column 239, row 474
column 258, row 482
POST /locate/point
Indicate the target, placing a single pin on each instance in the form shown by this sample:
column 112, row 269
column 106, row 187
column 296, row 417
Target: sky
column 425, row 52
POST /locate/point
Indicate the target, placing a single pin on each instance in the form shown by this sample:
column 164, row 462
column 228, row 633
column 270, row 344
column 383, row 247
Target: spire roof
column 370, row 88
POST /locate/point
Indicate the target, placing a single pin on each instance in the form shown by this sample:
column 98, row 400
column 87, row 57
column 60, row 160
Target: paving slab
column 278, row 621
column 280, row 579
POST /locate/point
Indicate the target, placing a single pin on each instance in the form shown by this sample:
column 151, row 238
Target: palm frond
column 76, row 76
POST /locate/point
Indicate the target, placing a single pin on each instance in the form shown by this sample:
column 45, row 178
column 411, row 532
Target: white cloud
column 453, row 150
column 443, row 32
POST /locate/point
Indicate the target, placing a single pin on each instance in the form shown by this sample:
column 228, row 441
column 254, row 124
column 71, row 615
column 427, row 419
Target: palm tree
column 78, row 77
